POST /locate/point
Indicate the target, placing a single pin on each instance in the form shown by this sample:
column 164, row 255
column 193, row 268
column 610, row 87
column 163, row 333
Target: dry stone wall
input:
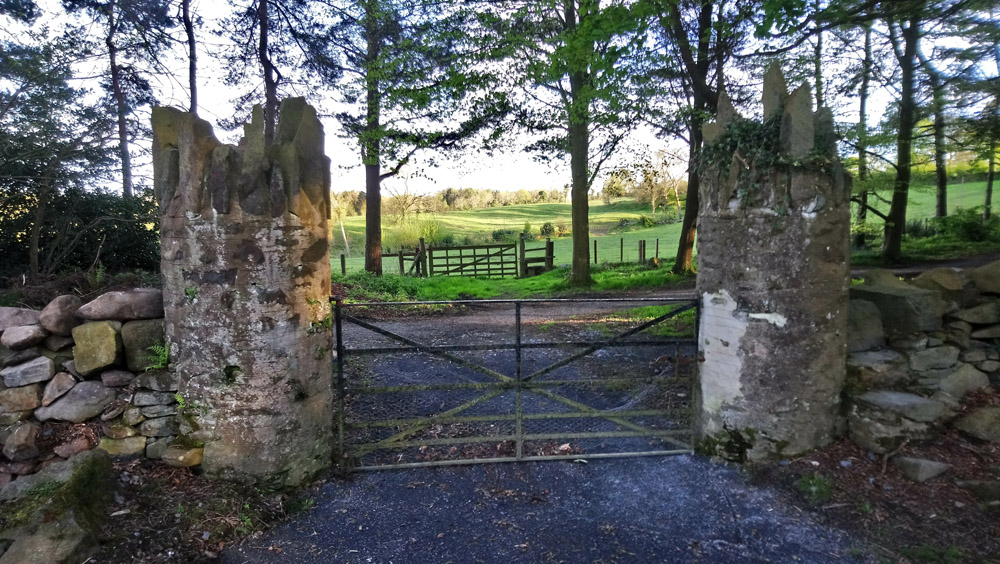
column 246, row 271
column 76, row 377
column 918, row 350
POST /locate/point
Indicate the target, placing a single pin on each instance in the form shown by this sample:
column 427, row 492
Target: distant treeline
column 404, row 204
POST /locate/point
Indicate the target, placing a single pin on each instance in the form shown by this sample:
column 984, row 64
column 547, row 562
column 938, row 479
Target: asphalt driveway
column 653, row 509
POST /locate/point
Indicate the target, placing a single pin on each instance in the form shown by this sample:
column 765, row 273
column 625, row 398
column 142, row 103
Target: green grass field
column 476, row 226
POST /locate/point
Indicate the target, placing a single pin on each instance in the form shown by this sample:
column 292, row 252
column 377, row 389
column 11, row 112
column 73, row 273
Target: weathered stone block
column 20, row 444
column 17, row 317
column 910, row 406
column 933, row 359
column 137, row 338
column 864, row 327
column 40, row 369
column 963, row 381
column 116, row 378
column 982, row 314
column 60, row 473
column 992, row 332
column 98, row 346
column 904, row 308
column 949, row 283
column 12, row 358
column 159, row 427
column 130, row 447
column 182, row 457
column 144, row 398
column 919, row 469
column 85, row 401
column 876, row 369
column 986, row 278
column 158, row 381
column 57, row 343
column 983, row 423
column 140, row 303
column 24, row 398
column 59, row 316
column 18, row 338
column 156, row 447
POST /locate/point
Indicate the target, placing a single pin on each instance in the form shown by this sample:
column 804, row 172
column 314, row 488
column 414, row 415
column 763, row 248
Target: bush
column 547, row 229
column 968, row 225
column 920, row 228
column 504, row 235
column 646, row 221
column 81, row 228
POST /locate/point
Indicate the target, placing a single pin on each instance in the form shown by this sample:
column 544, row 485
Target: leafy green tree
column 697, row 39
column 578, row 68
column 51, row 141
column 404, row 69
column 132, row 32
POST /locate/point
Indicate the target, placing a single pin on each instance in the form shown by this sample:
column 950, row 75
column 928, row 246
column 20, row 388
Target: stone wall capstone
column 773, row 276
column 246, row 286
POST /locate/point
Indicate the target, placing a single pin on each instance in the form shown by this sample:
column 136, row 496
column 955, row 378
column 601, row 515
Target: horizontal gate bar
column 512, row 346
column 376, row 423
column 512, row 385
column 673, row 299
column 651, row 434
column 468, row 461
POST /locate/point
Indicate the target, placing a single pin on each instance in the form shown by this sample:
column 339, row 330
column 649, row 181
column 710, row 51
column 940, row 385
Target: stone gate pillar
column 246, row 283
column 773, row 275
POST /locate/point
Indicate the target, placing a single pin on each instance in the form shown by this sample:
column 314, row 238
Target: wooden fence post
column 595, row 251
column 522, row 263
column 402, row 267
column 657, row 247
column 550, row 254
column 343, row 264
column 621, row 250
column 422, row 269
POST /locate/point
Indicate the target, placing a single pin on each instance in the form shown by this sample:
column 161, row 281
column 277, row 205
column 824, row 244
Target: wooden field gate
column 499, row 260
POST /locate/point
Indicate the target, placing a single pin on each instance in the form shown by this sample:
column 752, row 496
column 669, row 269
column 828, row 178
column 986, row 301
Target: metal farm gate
column 501, row 380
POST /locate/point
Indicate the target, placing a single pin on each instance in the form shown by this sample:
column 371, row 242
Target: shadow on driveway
column 657, row 509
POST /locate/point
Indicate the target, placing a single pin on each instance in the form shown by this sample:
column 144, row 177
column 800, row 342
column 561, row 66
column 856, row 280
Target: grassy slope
column 478, row 224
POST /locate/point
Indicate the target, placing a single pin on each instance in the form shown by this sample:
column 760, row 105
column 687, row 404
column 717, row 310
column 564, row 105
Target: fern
column 158, row 358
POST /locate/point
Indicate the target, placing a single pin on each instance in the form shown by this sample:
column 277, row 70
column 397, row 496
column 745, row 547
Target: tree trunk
column 818, row 60
column 36, row 230
column 703, row 100
column 371, row 147
column 684, row 262
column 896, row 219
column 270, row 84
column 940, row 149
column 120, row 103
column 866, row 72
column 940, row 143
column 987, row 208
column 192, row 54
column 579, row 143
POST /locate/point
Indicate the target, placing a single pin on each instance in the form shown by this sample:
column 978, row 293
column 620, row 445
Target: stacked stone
column 916, row 349
column 773, row 271
column 246, row 283
column 83, row 363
